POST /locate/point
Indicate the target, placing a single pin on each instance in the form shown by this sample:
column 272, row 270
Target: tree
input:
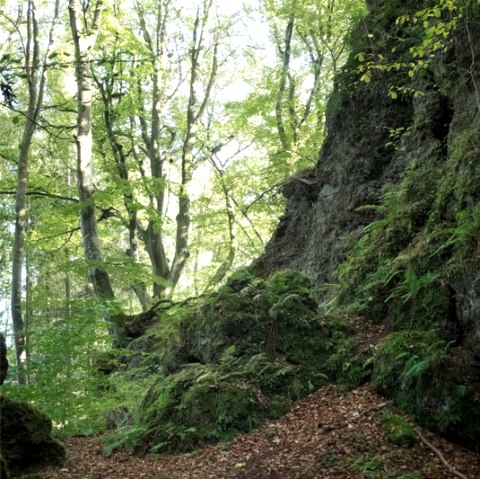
column 84, row 33
column 35, row 73
column 164, row 99
column 290, row 96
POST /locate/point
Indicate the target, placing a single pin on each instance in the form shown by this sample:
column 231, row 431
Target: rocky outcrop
column 425, row 141
column 26, row 441
column 388, row 223
column 356, row 161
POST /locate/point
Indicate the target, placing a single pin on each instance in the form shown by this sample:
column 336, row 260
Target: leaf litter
column 327, row 435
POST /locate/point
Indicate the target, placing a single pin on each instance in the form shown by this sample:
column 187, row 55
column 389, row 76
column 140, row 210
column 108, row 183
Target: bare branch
column 42, row 193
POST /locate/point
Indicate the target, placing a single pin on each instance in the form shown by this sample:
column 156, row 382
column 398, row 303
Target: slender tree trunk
column 285, row 52
column 195, row 112
column 84, row 39
column 19, row 241
column 225, row 266
column 151, row 136
column 167, row 274
column 36, row 84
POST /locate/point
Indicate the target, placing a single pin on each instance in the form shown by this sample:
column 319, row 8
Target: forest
column 239, row 239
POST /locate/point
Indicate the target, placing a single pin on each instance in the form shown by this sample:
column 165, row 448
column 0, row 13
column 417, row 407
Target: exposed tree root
column 439, row 454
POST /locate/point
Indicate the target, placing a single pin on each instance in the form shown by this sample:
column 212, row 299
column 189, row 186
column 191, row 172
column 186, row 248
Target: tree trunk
column 36, row 84
column 84, row 39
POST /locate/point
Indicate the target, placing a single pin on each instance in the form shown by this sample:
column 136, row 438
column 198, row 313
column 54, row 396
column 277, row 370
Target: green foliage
column 350, row 364
column 192, row 406
column 398, row 430
column 126, row 437
column 420, row 372
column 418, row 37
column 237, row 356
column 370, row 468
column 375, row 468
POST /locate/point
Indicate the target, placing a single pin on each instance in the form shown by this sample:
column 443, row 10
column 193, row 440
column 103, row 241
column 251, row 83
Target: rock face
column 26, row 441
column 388, row 223
column 353, row 167
column 424, row 143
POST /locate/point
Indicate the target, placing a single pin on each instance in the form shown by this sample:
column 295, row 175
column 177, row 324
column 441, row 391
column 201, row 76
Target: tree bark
column 84, row 39
column 36, row 77
column 153, row 233
column 195, row 111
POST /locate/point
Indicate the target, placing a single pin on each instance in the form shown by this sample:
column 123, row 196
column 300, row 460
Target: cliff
column 388, row 223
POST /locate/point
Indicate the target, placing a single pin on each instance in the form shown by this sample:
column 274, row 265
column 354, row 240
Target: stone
column 27, row 443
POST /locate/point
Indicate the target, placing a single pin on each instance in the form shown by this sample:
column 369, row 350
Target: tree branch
column 42, row 193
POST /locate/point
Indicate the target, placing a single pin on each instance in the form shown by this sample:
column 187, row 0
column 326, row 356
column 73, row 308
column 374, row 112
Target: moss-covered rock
column 277, row 316
column 27, row 443
column 398, row 430
column 209, row 403
column 232, row 359
column 350, row 363
column 420, row 372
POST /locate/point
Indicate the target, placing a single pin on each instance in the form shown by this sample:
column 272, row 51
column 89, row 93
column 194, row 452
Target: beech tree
column 84, row 33
column 168, row 100
column 35, row 75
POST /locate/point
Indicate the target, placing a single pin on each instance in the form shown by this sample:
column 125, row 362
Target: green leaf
column 366, row 78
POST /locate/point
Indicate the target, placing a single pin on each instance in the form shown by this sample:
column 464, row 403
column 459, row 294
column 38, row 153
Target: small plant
column 399, row 431
column 371, row 468
column 330, row 458
column 347, row 365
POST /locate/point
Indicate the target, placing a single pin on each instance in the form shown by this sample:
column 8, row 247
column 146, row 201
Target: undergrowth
column 225, row 363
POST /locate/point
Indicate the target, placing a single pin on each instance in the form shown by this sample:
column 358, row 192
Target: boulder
column 27, row 444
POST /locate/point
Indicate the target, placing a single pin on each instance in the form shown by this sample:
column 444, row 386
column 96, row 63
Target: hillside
column 387, row 224
column 351, row 347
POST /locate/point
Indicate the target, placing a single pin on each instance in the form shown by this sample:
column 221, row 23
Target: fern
column 228, row 355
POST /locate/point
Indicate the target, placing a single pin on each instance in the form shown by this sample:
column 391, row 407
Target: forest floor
column 326, row 435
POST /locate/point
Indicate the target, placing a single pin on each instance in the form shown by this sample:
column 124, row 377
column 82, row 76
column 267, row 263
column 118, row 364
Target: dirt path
column 324, row 436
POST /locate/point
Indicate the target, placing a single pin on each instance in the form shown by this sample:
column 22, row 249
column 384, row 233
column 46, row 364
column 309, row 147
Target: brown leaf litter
column 325, row 436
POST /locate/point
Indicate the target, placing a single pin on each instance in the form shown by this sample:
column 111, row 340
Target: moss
column 204, row 403
column 289, row 281
column 419, row 371
column 277, row 316
column 399, row 431
column 240, row 279
column 27, row 444
column 236, row 357
column 350, row 363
